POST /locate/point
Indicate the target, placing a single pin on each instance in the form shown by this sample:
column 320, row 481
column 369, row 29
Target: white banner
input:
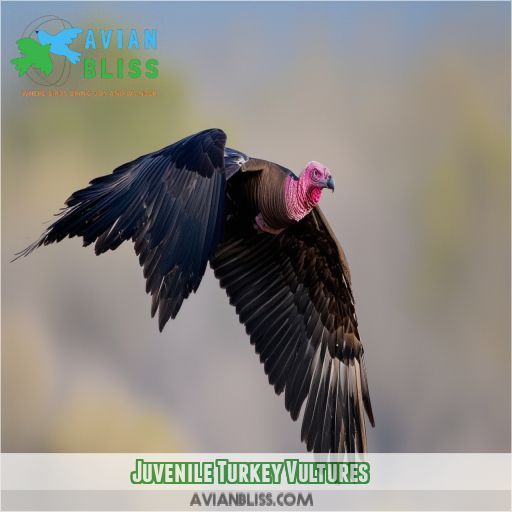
column 388, row 471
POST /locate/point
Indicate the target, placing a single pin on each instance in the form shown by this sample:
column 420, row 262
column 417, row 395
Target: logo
column 46, row 56
column 49, row 47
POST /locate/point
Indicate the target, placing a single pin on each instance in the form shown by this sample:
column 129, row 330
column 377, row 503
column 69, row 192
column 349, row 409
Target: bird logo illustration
column 36, row 53
column 33, row 54
column 59, row 42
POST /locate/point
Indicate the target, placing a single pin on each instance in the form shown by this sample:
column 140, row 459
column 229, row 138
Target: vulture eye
column 316, row 173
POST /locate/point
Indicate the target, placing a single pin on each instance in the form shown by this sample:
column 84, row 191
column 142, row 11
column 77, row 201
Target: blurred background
column 408, row 103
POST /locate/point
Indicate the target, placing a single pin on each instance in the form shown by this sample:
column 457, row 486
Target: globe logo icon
column 61, row 67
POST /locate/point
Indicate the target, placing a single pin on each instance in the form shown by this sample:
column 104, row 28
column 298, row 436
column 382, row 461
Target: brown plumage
column 271, row 248
column 262, row 185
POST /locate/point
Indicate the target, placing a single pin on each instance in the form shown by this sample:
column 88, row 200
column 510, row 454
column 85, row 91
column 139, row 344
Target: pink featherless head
column 317, row 176
column 304, row 194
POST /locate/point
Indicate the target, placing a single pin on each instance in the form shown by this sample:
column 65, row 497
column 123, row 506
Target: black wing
column 293, row 294
column 170, row 203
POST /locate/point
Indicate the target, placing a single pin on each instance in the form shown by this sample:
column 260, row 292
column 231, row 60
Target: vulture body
column 259, row 226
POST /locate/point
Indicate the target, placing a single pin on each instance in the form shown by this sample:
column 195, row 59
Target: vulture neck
column 300, row 196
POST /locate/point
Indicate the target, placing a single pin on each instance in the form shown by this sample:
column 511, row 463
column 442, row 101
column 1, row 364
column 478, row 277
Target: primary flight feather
column 260, row 228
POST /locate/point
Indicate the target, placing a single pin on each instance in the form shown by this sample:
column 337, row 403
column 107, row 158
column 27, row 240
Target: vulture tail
column 353, row 401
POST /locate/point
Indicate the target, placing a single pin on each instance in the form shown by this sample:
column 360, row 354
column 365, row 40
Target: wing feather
column 170, row 203
column 293, row 294
column 67, row 35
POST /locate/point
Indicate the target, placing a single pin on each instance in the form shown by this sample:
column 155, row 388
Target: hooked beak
column 330, row 183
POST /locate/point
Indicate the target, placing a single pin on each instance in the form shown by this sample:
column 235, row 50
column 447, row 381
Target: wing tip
column 30, row 249
column 24, row 252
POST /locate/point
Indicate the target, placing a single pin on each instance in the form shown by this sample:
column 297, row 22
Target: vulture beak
column 330, row 183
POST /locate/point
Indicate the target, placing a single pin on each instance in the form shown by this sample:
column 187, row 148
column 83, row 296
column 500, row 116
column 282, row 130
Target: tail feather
column 22, row 64
column 344, row 425
column 365, row 392
column 73, row 56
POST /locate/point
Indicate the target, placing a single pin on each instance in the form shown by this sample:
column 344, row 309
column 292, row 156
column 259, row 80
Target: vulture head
column 316, row 177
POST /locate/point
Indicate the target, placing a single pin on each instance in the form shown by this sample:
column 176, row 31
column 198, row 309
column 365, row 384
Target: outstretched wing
column 170, row 203
column 67, row 35
column 45, row 64
column 28, row 46
column 43, row 60
column 293, row 294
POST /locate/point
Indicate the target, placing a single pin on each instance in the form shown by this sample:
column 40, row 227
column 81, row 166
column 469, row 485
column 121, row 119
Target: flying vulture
column 260, row 228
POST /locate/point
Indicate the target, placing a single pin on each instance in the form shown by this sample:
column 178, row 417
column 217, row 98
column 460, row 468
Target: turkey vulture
column 260, row 227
